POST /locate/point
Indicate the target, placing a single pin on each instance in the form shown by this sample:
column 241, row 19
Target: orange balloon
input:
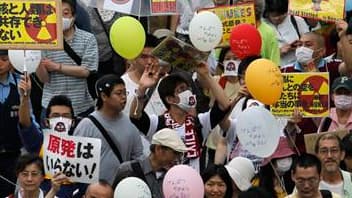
column 264, row 81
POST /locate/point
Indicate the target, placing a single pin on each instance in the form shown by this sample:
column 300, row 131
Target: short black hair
column 72, row 3
column 347, row 144
column 28, row 159
column 219, row 170
column 151, row 41
column 275, row 6
column 245, row 63
column 306, row 160
column 168, row 85
column 254, row 192
column 59, row 100
column 105, row 85
column 349, row 28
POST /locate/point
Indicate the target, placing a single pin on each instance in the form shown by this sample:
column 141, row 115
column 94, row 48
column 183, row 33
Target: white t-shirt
column 336, row 188
column 131, row 87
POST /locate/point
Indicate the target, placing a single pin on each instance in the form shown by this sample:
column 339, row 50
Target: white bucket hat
column 241, row 171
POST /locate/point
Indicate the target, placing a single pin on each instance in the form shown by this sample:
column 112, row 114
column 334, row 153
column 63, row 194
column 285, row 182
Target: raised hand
column 25, row 85
column 149, row 77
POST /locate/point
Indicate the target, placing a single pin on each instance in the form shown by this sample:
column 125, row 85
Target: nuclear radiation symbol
column 120, row 1
column 312, row 100
column 47, row 30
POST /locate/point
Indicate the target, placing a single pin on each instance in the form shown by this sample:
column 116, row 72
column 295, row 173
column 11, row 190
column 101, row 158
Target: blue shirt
column 298, row 66
column 5, row 87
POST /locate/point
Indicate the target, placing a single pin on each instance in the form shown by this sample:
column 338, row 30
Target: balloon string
column 139, row 10
column 7, row 180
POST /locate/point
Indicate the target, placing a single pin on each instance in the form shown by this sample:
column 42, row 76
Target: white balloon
column 132, row 187
column 33, row 58
column 205, row 31
column 258, row 131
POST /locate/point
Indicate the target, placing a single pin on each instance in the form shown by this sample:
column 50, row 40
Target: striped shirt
column 85, row 46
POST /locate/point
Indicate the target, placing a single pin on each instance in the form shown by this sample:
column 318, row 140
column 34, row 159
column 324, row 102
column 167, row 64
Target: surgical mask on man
column 343, row 102
column 283, row 164
column 60, row 124
column 66, row 23
column 187, row 100
column 304, row 55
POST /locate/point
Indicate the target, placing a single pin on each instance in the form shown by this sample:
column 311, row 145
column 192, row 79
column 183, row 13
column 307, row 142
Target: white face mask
column 60, row 124
column 304, row 54
column 187, row 100
column 284, row 164
column 231, row 67
column 66, row 23
column 343, row 102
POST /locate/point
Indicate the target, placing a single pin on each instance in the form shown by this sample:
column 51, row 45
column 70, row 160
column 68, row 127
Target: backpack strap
column 107, row 137
column 326, row 124
column 69, row 51
column 137, row 169
column 294, row 23
column 326, row 193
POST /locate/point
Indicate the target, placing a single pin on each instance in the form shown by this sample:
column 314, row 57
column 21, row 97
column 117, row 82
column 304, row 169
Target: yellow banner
column 232, row 16
column 33, row 24
column 326, row 10
column 309, row 92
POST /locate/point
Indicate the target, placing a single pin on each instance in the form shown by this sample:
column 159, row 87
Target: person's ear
column 46, row 122
column 342, row 155
column 171, row 99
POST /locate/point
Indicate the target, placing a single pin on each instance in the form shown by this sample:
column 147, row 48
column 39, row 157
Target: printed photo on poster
column 123, row 6
column 162, row 7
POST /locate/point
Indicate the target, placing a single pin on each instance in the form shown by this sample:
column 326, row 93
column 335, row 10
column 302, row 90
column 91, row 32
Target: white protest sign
column 258, row 131
column 140, row 188
column 205, row 31
column 77, row 157
column 30, row 58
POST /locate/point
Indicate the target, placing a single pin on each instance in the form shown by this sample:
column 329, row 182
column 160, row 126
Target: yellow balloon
column 264, row 81
column 127, row 37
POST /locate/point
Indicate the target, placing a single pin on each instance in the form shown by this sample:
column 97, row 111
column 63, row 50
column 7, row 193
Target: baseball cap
column 3, row 52
column 242, row 171
column 342, row 82
column 169, row 138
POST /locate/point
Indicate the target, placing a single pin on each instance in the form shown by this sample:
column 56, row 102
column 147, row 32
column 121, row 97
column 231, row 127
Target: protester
column 310, row 58
column 180, row 102
column 120, row 138
column 274, row 175
column 330, row 151
column 166, row 149
column 305, row 173
column 340, row 116
column 288, row 28
column 217, row 182
column 64, row 75
column 10, row 141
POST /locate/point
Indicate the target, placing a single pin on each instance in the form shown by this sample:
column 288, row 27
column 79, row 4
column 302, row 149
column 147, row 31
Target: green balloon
column 127, row 37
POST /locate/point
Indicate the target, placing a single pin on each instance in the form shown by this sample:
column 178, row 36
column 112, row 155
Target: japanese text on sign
column 30, row 24
column 309, row 92
column 232, row 16
column 326, row 10
column 77, row 157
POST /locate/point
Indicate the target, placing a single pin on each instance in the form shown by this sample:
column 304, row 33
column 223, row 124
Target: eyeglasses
column 325, row 151
column 33, row 174
column 311, row 181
